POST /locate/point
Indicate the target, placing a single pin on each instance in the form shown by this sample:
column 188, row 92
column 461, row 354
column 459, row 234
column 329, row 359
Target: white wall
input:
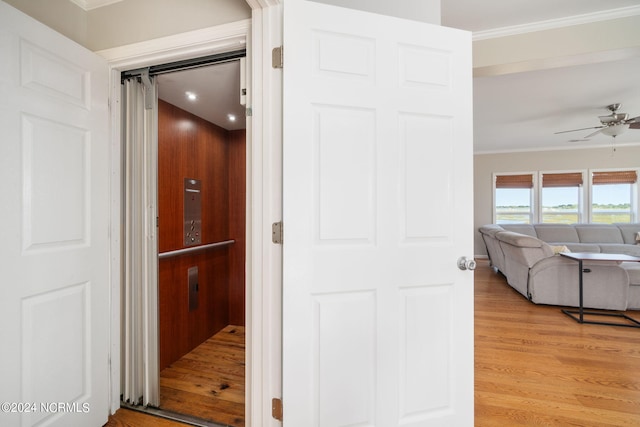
column 558, row 47
column 62, row 15
column 131, row 21
column 486, row 164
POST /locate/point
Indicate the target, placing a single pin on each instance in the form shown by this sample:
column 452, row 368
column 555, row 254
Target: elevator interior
column 201, row 207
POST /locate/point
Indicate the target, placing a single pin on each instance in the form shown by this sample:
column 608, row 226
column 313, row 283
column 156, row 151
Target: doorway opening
column 201, row 143
column 201, row 241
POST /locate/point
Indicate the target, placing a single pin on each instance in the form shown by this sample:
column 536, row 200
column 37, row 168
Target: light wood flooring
column 206, row 383
column 534, row 366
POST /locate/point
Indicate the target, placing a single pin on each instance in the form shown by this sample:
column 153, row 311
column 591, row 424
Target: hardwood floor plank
column 500, row 416
column 209, row 382
column 206, row 407
column 220, row 388
column 214, row 368
column 178, row 373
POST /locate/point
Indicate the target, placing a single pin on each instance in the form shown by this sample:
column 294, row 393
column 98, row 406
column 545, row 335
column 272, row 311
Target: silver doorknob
column 466, row 264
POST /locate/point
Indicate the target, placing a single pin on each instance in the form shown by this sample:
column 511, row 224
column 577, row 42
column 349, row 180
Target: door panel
column 377, row 200
column 54, row 183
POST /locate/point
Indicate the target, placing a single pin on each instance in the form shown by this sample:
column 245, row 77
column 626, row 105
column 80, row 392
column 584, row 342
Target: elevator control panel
column 192, row 212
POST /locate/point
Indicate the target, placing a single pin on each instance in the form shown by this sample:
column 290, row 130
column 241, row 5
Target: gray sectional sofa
column 528, row 256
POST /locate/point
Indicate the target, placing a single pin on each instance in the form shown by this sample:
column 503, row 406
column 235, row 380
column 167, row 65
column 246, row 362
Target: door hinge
column 276, row 408
column 277, row 233
column 277, row 57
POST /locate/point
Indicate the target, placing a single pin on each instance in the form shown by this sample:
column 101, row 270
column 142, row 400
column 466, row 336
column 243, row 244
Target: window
column 513, row 199
column 612, row 196
column 566, row 197
column 561, row 198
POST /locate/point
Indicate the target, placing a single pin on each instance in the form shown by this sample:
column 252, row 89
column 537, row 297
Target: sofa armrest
column 521, row 252
column 523, row 249
column 519, row 239
column 490, row 229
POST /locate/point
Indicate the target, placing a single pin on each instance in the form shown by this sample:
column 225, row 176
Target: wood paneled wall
column 190, row 147
column 237, row 225
column 182, row 330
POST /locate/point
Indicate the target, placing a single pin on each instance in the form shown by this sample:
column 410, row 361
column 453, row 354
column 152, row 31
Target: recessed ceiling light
column 231, row 117
column 191, row 96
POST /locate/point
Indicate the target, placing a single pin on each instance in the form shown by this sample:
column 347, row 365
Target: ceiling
column 512, row 112
column 521, row 111
column 217, row 90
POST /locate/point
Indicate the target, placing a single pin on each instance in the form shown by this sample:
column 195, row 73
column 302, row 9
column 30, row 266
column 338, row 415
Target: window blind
column 571, row 179
column 514, row 181
column 615, row 177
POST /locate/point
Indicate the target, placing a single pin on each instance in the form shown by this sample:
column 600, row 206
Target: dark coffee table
column 578, row 315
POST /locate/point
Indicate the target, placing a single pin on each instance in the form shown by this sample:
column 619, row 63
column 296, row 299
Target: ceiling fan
column 612, row 125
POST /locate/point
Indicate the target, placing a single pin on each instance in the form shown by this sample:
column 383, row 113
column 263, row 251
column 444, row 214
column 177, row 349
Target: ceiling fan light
column 615, row 130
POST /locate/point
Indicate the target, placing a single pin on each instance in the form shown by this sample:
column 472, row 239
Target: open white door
column 54, row 187
column 377, row 200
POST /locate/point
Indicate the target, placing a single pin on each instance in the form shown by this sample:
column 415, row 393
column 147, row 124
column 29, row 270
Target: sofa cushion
column 629, row 232
column 599, row 233
column 557, row 233
column 583, row 247
column 521, row 228
column 619, row 248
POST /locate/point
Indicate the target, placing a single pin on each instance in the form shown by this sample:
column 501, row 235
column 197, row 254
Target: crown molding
column 587, row 18
column 263, row 4
column 581, row 146
column 191, row 44
column 93, row 4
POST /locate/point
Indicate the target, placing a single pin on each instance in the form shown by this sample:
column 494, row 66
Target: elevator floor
column 208, row 382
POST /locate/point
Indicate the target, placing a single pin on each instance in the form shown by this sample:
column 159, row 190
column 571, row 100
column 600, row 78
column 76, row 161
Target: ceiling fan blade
column 614, row 117
column 635, row 125
column 575, row 130
column 594, row 133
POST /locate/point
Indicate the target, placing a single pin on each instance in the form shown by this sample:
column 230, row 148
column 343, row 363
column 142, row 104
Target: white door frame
column 264, row 189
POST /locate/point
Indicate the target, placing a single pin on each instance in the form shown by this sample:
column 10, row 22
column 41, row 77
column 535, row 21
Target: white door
column 54, row 248
column 377, row 152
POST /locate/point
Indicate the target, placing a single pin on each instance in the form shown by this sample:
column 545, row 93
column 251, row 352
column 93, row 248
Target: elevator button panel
column 192, row 212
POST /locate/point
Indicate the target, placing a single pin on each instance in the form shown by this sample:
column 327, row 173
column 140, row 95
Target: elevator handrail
column 194, row 249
